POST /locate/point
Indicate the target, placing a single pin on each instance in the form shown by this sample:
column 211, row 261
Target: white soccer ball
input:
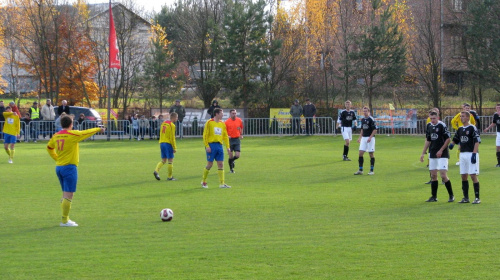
column 166, row 215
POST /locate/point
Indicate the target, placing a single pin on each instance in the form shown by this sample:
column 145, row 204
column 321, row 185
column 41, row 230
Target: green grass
column 295, row 211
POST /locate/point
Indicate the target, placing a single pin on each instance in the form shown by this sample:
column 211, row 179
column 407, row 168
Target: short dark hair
column 466, row 104
column 232, row 110
column 217, row 110
column 66, row 121
column 433, row 113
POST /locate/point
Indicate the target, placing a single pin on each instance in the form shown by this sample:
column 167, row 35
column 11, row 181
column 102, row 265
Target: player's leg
column 170, row 176
column 164, row 155
column 219, row 157
column 447, row 183
column 465, row 188
column 475, row 182
column 458, row 155
column 372, row 162
column 434, row 181
column 360, row 160
column 230, row 160
column 347, row 135
column 68, row 177
column 6, row 147
column 12, row 149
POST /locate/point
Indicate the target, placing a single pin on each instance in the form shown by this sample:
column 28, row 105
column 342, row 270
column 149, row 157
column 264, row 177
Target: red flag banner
column 114, row 55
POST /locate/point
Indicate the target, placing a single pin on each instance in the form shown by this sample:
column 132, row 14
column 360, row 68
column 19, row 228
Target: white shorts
column 346, row 132
column 498, row 139
column 438, row 164
column 365, row 146
column 466, row 167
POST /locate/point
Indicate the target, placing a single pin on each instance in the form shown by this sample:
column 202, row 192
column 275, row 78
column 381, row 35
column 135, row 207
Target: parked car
column 91, row 115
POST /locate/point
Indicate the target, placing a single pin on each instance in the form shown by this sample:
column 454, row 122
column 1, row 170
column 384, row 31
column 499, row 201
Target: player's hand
column 228, row 150
column 451, row 146
column 422, row 158
column 359, row 140
column 208, row 149
column 473, row 158
column 369, row 140
column 241, row 136
column 175, row 151
column 439, row 153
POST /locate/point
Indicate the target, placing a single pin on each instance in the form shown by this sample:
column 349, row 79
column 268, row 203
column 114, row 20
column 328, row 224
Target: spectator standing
column 63, row 108
column 181, row 113
column 35, row 117
column 143, row 126
column 49, row 116
column 25, row 131
column 211, row 109
column 15, row 109
column 57, row 122
column 80, row 121
column 135, row 126
column 153, row 128
column 309, row 111
column 296, row 111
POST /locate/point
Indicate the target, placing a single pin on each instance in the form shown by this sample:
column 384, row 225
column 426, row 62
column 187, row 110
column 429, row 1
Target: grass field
column 295, row 211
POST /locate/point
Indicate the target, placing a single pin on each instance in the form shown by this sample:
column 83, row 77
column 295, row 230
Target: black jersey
column 346, row 118
column 437, row 135
column 467, row 137
column 496, row 120
column 368, row 126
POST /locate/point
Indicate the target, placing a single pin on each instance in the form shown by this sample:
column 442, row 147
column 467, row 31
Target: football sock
column 221, row 176
column 230, row 161
column 346, row 150
column 205, row 174
column 235, row 158
column 448, row 187
column 434, row 188
column 361, row 160
column 65, row 207
column 7, row 150
column 170, row 169
column 159, row 166
column 372, row 163
column 476, row 189
column 498, row 157
column 12, row 153
column 465, row 188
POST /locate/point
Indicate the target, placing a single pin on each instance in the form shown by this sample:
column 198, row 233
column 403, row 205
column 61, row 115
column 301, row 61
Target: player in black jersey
column 346, row 118
column 496, row 121
column 468, row 138
column 437, row 138
column 367, row 141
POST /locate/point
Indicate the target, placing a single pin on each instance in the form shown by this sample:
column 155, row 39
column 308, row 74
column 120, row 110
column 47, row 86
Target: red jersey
column 232, row 127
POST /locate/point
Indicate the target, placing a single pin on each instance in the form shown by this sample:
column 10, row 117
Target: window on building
column 457, row 47
column 457, row 5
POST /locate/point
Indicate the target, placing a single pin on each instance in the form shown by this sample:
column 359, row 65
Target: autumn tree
column 381, row 57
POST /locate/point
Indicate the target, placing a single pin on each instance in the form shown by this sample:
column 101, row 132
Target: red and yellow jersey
column 167, row 133
column 12, row 124
column 63, row 146
column 234, row 127
column 456, row 122
column 215, row 132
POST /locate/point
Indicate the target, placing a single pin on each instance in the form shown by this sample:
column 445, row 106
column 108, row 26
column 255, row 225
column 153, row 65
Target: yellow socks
column 170, row 169
column 205, row 174
column 159, row 166
column 221, row 176
column 7, row 151
column 65, row 207
column 11, row 153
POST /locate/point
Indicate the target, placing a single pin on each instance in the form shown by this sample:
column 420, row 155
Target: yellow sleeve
column 455, row 122
column 428, row 120
column 172, row 135
column 84, row 134
column 51, row 149
column 206, row 133
column 472, row 120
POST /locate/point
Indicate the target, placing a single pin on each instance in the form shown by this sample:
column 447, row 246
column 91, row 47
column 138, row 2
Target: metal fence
column 123, row 129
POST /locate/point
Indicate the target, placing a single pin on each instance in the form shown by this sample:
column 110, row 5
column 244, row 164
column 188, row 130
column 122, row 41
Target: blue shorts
column 68, row 176
column 167, row 151
column 217, row 152
column 9, row 139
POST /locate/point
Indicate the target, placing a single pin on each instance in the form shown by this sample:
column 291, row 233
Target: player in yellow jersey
column 167, row 146
column 456, row 122
column 63, row 148
column 11, row 131
column 214, row 135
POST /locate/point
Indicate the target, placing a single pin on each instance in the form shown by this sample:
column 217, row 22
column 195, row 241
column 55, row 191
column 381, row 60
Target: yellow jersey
column 12, row 124
column 456, row 122
column 167, row 134
column 215, row 132
column 63, row 146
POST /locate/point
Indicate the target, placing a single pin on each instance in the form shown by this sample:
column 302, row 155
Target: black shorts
column 234, row 144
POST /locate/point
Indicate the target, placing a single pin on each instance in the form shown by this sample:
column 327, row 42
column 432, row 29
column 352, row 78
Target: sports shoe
column 476, row 201
column 70, row 223
column 458, row 163
column 231, row 171
column 10, row 160
column 204, row 185
column 432, row 199
column 157, row 176
column 464, row 200
column 171, row 179
column 233, row 165
column 498, row 165
column 347, row 159
column 428, row 183
column 224, row 186
column 371, row 173
column 359, row 172
column 452, row 198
